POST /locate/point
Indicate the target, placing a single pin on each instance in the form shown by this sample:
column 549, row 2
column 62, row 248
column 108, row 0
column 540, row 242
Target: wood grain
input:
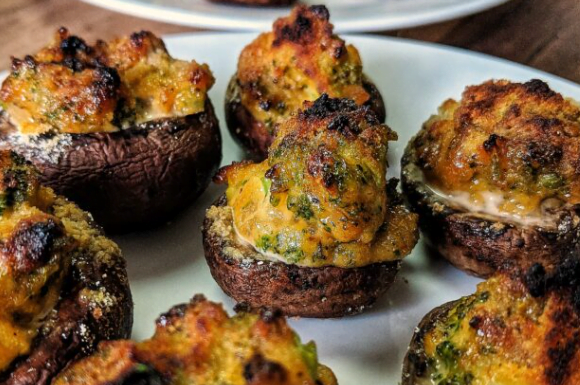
column 544, row 34
column 539, row 33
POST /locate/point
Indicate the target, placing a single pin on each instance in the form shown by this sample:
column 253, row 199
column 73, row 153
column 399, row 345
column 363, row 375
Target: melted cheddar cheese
column 299, row 61
column 43, row 237
column 502, row 335
column 71, row 87
column 199, row 344
column 516, row 141
column 321, row 196
column 33, row 258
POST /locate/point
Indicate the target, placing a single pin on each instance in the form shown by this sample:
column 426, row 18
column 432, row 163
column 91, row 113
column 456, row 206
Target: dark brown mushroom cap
column 481, row 244
column 252, row 134
column 298, row 291
column 129, row 179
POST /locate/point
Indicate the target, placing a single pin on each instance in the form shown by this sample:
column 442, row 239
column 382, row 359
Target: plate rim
column 174, row 15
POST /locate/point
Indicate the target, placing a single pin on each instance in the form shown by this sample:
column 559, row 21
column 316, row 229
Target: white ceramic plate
column 347, row 15
column 167, row 266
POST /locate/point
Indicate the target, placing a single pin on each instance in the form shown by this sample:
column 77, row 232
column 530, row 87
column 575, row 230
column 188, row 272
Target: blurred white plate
column 346, row 15
column 167, row 266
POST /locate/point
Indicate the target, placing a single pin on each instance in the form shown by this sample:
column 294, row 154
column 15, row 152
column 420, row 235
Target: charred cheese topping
column 299, row 61
column 200, row 344
column 511, row 145
column 321, row 196
column 506, row 334
column 71, row 87
column 32, row 258
column 42, row 237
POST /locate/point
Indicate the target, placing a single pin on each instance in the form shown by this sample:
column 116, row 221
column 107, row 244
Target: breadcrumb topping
column 73, row 87
column 44, row 240
column 198, row 343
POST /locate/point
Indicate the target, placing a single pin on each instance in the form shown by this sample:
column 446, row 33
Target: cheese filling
column 495, row 204
column 71, row 87
column 29, row 291
column 299, row 60
column 503, row 335
column 277, row 234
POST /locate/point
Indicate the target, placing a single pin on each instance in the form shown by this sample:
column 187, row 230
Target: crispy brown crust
column 192, row 344
column 261, row 3
column 415, row 363
column 134, row 178
column 297, row 291
column 375, row 102
column 70, row 86
column 482, row 245
column 517, row 139
column 489, row 331
column 79, row 322
column 253, row 135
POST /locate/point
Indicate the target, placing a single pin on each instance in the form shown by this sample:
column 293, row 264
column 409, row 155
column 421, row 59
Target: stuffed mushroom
column 315, row 230
column 495, row 177
column 298, row 61
column 63, row 285
column 515, row 329
column 197, row 343
column 120, row 127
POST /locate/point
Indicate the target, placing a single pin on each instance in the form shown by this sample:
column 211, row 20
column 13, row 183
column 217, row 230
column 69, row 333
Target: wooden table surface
column 544, row 34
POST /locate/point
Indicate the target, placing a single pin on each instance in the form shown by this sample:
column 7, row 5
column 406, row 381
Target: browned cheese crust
column 253, row 135
column 414, row 365
column 516, row 141
column 266, row 88
column 129, row 171
column 305, row 291
column 515, row 329
column 63, row 285
column 198, row 343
